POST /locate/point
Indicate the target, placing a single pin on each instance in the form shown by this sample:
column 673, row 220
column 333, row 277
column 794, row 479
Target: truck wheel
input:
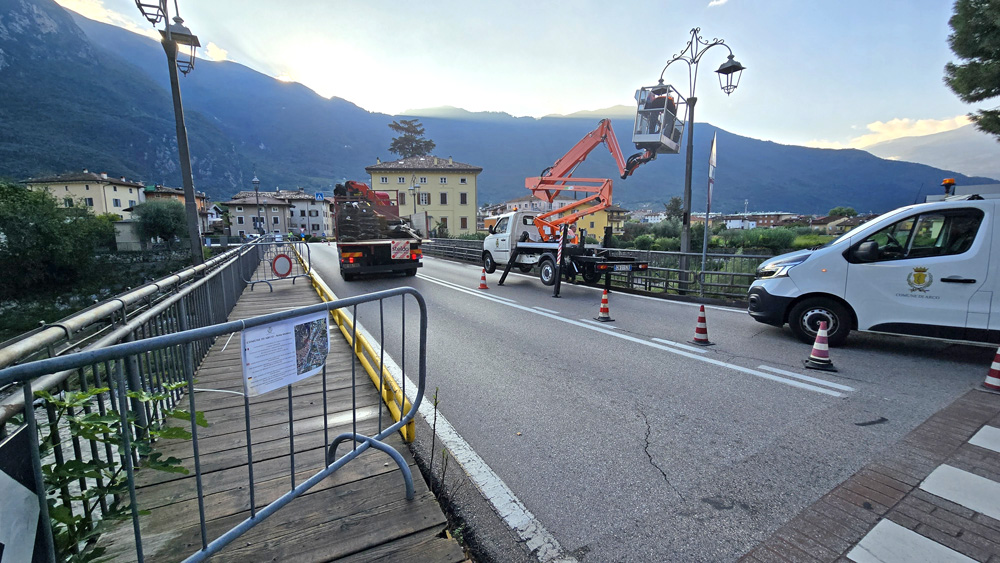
column 524, row 268
column 411, row 272
column 805, row 317
column 547, row 271
column 346, row 276
column 489, row 264
column 590, row 275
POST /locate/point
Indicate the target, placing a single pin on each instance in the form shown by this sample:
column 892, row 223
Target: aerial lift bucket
column 659, row 119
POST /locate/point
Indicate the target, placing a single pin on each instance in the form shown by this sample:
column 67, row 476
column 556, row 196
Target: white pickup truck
column 513, row 242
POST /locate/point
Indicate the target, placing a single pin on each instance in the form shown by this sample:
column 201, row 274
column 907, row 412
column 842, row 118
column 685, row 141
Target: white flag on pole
column 711, row 170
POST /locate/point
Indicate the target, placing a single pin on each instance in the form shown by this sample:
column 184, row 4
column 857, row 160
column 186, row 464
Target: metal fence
column 281, row 260
column 726, row 276
column 76, row 398
column 102, row 409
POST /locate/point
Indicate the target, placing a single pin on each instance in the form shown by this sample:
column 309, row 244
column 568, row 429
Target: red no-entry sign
column 281, row 265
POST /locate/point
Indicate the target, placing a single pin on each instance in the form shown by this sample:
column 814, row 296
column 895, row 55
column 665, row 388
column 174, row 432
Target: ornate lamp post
column 729, row 78
column 256, row 195
column 175, row 36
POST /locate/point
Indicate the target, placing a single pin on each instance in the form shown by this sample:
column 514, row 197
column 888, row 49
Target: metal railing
column 132, row 389
column 108, row 322
column 726, row 276
column 78, row 468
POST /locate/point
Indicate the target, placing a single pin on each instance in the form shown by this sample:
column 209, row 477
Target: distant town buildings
column 99, row 193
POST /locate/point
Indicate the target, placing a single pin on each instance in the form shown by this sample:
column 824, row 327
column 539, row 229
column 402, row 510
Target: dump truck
column 371, row 236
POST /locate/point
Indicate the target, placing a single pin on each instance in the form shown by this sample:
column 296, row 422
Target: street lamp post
column 176, row 35
column 729, row 78
column 256, row 195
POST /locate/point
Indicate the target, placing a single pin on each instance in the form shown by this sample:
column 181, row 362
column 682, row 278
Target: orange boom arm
column 556, row 178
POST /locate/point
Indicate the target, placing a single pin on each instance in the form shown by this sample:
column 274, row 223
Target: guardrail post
column 135, row 384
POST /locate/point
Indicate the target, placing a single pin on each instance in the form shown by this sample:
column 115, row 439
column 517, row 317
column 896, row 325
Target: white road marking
column 604, row 330
column 600, row 324
column 470, row 291
column 679, row 345
column 988, row 437
column 807, row 378
column 888, row 542
column 968, row 489
column 546, row 310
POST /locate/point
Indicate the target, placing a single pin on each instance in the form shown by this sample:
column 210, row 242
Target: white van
column 921, row 270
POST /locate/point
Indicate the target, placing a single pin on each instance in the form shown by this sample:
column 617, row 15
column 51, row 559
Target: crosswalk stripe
column 964, row 488
column 888, row 542
column 988, row 437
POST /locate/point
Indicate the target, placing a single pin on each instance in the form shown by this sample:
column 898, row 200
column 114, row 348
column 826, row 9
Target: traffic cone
column 604, row 315
column 819, row 358
column 993, row 377
column 701, row 330
column 482, row 280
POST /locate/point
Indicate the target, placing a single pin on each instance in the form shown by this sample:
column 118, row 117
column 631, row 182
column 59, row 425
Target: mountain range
column 81, row 94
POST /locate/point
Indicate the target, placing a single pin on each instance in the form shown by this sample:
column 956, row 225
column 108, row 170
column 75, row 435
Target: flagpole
column 708, row 213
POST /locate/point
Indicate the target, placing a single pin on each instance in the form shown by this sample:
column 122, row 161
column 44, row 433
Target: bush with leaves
column 75, row 532
column 46, row 244
column 160, row 218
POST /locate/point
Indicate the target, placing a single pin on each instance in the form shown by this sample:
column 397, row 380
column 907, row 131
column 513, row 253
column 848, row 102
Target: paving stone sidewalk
column 934, row 497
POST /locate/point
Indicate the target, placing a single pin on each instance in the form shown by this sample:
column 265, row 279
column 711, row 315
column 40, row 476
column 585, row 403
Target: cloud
column 95, row 10
column 897, row 128
column 213, row 52
column 714, row 3
column 881, row 131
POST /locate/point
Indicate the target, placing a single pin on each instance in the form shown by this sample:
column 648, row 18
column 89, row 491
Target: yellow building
column 441, row 188
column 97, row 192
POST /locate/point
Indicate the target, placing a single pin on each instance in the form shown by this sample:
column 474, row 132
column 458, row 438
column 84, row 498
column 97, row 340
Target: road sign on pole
column 319, row 196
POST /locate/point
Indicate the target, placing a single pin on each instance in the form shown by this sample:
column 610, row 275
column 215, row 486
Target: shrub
column 644, row 242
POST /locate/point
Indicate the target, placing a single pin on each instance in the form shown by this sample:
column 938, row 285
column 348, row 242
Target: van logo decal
column 919, row 279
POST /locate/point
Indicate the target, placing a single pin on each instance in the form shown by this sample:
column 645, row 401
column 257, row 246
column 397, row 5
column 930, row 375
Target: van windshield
column 846, row 236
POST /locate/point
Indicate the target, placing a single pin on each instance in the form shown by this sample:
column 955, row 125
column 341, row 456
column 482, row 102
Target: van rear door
column 929, row 269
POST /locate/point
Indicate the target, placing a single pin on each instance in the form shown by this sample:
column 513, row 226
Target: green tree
column 674, row 208
column 411, row 141
column 975, row 39
column 841, row 211
column 160, row 219
column 43, row 244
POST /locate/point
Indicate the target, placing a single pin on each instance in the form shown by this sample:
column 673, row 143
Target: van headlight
column 779, row 268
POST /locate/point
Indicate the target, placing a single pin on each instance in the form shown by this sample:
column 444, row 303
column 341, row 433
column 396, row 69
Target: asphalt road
column 625, row 442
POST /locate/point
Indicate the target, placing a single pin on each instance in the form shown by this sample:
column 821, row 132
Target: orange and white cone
column 701, row 330
column 819, row 358
column 993, row 377
column 604, row 315
column 482, row 280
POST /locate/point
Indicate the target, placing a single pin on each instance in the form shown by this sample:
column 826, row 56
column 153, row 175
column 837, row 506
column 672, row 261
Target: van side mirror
column 866, row 252
column 493, row 230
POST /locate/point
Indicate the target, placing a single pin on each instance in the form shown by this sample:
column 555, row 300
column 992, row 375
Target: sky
column 843, row 74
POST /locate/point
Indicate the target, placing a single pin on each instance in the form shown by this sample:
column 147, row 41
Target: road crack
column 649, row 431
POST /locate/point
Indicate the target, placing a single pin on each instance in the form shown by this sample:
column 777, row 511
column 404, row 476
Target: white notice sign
column 19, row 507
column 401, row 250
column 281, row 353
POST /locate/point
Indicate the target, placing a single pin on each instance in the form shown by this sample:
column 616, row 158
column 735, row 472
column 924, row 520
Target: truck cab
column 509, row 230
column 926, row 270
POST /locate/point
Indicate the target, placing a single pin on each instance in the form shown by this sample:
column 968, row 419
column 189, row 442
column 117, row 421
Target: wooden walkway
column 360, row 513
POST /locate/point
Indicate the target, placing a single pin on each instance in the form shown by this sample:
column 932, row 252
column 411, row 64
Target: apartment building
column 441, row 188
column 99, row 193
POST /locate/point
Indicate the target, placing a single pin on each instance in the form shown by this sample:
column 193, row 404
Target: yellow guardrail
column 392, row 395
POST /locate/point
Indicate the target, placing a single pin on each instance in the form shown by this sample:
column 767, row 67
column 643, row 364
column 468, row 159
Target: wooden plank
column 418, row 547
